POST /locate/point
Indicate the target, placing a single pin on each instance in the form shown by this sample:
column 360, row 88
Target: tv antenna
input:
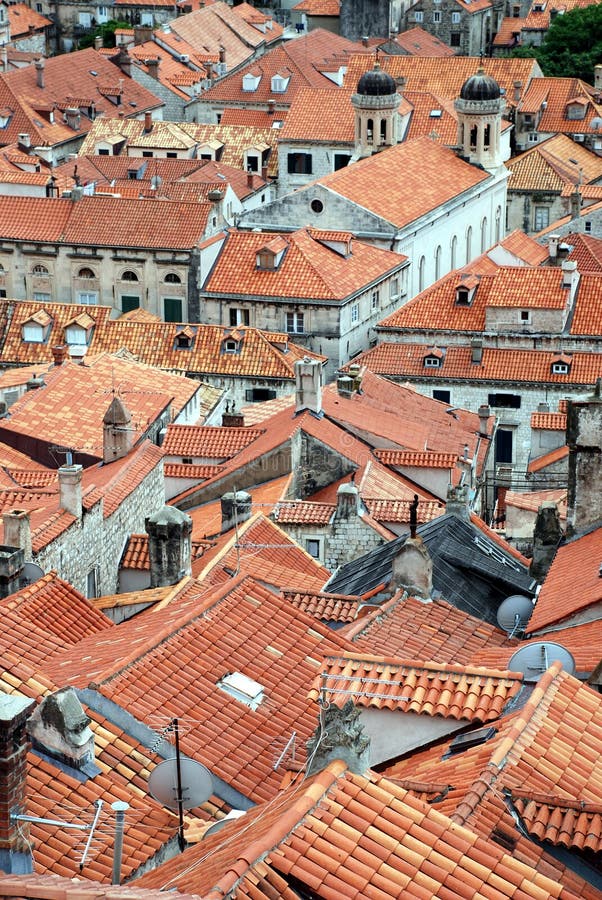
column 514, row 613
column 76, row 826
column 180, row 783
column 536, row 657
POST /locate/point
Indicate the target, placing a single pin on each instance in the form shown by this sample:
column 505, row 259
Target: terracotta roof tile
column 384, row 510
column 421, row 460
column 573, row 582
column 558, row 93
column 586, row 251
column 434, row 689
column 324, row 606
column 24, row 21
column 303, row 512
column 549, row 167
column 135, row 554
column 208, row 442
column 414, row 629
column 418, row 42
column 169, row 660
column 584, row 642
column 549, row 421
column 548, row 459
column 568, row 823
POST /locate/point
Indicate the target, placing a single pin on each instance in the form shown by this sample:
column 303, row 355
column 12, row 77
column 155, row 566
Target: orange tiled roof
column 418, row 42
column 135, row 554
column 185, row 470
column 319, row 7
column 586, row 251
column 584, row 642
column 573, row 824
column 324, row 606
column 415, row 629
column 549, row 421
column 434, row 689
column 417, row 459
column 558, row 94
column 303, row 512
column 24, row 21
column 209, row 442
column 548, row 459
column 384, row 510
column 400, row 360
column 308, row 268
column 336, row 115
column 549, row 167
column 239, row 627
column 573, row 582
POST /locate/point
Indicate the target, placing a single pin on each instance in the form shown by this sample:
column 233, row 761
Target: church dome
column 480, row 87
column 376, row 83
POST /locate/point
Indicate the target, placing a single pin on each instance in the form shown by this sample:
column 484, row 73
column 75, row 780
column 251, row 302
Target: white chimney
column 570, row 277
column 17, row 530
column 70, row 489
column 308, row 385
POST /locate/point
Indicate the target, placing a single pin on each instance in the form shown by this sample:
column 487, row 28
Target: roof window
column 433, row 359
column 561, row 365
column 36, row 329
column 280, row 82
column 270, row 255
column 185, row 338
column 471, row 739
column 242, row 688
column 250, row 81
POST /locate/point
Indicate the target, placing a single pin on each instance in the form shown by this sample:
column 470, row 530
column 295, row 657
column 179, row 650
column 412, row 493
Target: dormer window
column 280, row 82
column 185, row 338
column 270, row 255
column 5, row 117
column 433, row 359
column 230, row 346
column 462, row 296
column 561, row 365
column 576, row 108
column 465, row 290
column 36, row 329
column 78, row 332
column 250, row 81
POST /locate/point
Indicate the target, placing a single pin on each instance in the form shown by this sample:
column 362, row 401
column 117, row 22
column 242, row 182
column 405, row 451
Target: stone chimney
column 39, row 66
column 98, row 42
column 344, row 386
column 17, row 531
column 341, row 736
column 413, row 569
column 15, row 855
column 118, row 434
column 24, row 141
column 308, row 385
column 59, row 728
column 34, row 383
column 546, row 537
column 348, row 501
column 236, row 508
column 169, row 546
column 517, row 89
column 152, row 64
column 60, row 353
column 148, row 122
column 73, row 117
column 70, row 489
column 583, row 430
column 124, row 62
column 570, row 277
column 231, row 418
column 484, row 413
column 11, row 569
column 553, row 242
column 456, row 503
column 476, row 350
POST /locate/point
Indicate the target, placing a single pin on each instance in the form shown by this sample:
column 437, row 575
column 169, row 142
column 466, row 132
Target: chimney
column 546, row 537
column 236, row 508
column 348, row 501
column 484, row 413
column 148, row 122
column 144, row 33
column 125, row 64
column 73, row 117
column 152, row 64
column 543, row 407
column 553, row 241
column 250, row 180
column 344, row 386
column 70, row 489
column 456, row 503
column 231, row 418
column 117, row 433
column 60, row 728
column 308, row 385
column 346, row 738
column 271, row 107
column 264, row 173
column 476, row 350
column 98, row 42
column 34, row 383
column 517, row 89
column 60, row 353
column 412, row 569
column 365, row 40
column 15, row 852
column 583, row 430
column 17, row 531
column 570, row 277
column 169, row 545
column 77, row 352
column 598, row 77
column 11, row 569
column 39, row 66
column 222, row 55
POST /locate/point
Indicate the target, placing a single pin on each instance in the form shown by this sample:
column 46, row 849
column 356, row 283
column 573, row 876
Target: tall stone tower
column 368, row 18
column 169, row 545
column 479, row 110
column 375, row 102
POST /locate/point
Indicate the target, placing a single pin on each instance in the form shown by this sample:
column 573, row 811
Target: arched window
column 469, row 244
column 39, row 270
column 473, row 137
column 383, row 131
column 438, row 263
column 421, row 268
column 86, row 273
column 484, row 234
column 454, row 250
column 370, row 130
column 487, row 137
column 128, row 275
column 172, row 278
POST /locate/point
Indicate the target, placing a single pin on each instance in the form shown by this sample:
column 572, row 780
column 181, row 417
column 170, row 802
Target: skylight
column 242, row 688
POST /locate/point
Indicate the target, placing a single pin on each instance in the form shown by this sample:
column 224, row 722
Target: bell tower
column 479, row 110
column 376, row 102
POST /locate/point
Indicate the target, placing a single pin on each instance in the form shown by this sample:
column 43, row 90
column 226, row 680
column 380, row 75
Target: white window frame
column 293, row 320
column 87, row 298
column 376, row 299
column 432, row 362
column 355, row 313
column 456, row 18
column 32, row 333
column 419, row 16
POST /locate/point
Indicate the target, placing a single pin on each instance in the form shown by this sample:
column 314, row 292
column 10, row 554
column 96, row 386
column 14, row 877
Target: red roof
column 208, row 442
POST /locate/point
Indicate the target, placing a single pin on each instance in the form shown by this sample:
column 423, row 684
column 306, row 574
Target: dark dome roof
column 376, row 83
column 480, row 87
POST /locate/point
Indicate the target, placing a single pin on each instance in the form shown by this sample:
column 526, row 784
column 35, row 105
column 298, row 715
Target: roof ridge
column 430, row 665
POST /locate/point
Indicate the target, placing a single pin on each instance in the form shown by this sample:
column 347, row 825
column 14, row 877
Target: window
column 240, row 317
column 312, row 545
column 484, row 235
column 419, row 16
column 443, row 396
column 39, row 7
column 432, row 362
column 504, row 401
column 437, row 263
column 317, row 206
column 252, row 163
column 102, row 151
column 469, row 244
column 85, row 20
column 454, row 250
column 587, row 226
column 533, row 137
column 230, row 346
column 394, row 289
column 39, row 270
column 41, row 296
column 355, row 313
column 147, row 154
column 341, row 161
column 259, row 395
column 33, row 333
column 86, row 273
column 541, row 218
column 525, row 315
column 560, row 368
column 375, row 299
column 503, row 445
column 87, row 298
column 129, row 302
column 172, row 309
column 456, row 18
column 299, row 164
column 129, row 276
column 436, row 17
column 242, row 688
column 75, row 335
column 171, row 154
column 421, row 268
column 172, row 278
column 295, row 323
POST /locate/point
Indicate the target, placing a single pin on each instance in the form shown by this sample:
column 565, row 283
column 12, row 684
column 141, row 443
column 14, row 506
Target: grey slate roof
column 471, row 571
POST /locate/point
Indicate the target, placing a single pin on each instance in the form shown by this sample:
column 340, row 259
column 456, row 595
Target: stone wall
column 341, row 541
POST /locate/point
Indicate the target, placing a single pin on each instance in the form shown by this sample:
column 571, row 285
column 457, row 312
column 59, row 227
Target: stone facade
column 337, row 543
column 467, row 30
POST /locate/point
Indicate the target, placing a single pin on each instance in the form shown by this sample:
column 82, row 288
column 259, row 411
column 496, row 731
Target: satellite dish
column 514, row 612
column 197, row 783
column 533, row 659
column 31, row 572
column 217, row 826
column 596, row 123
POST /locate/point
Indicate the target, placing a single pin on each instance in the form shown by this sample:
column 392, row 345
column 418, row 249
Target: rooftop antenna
column 76, row 826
